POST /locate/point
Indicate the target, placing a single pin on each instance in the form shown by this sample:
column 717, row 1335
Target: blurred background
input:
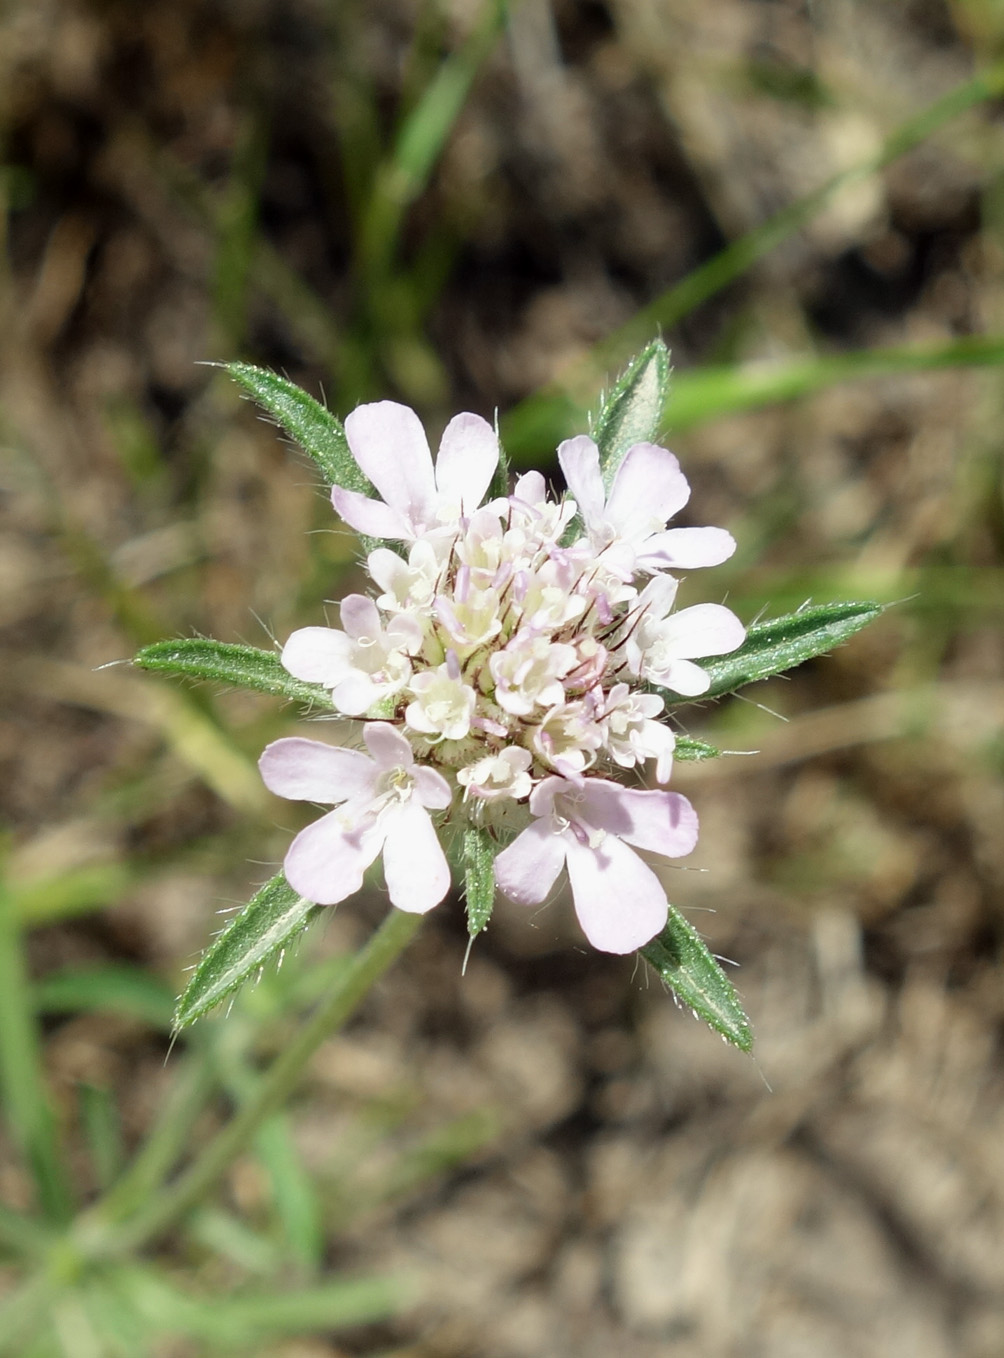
column 451, row 203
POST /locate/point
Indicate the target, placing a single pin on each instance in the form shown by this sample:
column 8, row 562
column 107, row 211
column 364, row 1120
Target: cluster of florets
column 504, row 672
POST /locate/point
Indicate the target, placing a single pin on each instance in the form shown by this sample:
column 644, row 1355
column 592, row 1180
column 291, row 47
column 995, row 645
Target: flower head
column 505, row 668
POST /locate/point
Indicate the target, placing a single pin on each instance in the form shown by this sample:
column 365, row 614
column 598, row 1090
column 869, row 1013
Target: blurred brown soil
column 643, row 1191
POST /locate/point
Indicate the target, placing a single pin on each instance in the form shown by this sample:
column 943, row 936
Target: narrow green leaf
column 267, row 924
column 102, row 1132
column 479, row 877
column 240, row 666
column 781, row 644
column 27, row 1108
column 110, row 989
column 713, row 392
column 684, row 963
column 75, row 891
column 237, row 1320
column 295, row 1193
column 420, row 142
column 689, row 748
column 631, row 412
column 314, row 428
column 499, row 486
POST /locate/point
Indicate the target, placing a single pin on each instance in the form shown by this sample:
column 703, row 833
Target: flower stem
column 100, row 1237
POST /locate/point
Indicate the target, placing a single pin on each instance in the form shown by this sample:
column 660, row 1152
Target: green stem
column 164, row 1144
column 98, row 1237
column 22, row 1088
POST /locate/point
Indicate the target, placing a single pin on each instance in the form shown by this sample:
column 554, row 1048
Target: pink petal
column 468, row 456
column 318, row 655
column 648, row 484
column 686, row 549
column 386, row 568
column 619, row 901
column 580, row 461
column 406, row 633
column 354, row 695
column 681, row 676
column 368, row 516
column 389, row 748
column 530, row 488
column 360, row 617
column 543, row 795
column 662, row 822
column 704, row 629
column 389, row 443
column 432, row 788
column 310, row 771
column 326, row 864
column 414, row 865
column 658, row 596
column 528, row 869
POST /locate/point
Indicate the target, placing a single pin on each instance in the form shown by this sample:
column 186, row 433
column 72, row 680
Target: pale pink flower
column 409, row 586
column 586, row 826
column 568, row 736
column 632, row 733
column 382, row 803
column 444, row 702
column 389, row 444
column 648, row 489
column 502, row 775
column 662, row 647
column 362, row 665
column 528, row 672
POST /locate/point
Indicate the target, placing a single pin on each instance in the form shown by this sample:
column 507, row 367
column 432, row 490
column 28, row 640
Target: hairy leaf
column 241, row 666
column 781, row 644
column 479, row 877
column 684, row 963
column 632, row 410
column 267, row 924
column 689, row 748
column 314, row 428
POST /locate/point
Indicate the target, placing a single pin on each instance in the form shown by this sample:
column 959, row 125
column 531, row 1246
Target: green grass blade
column 20, row 1234
column 296, row 1200
column 684, row 963
column 77, row 891
column 24, row 1097
column 110, row 989
column 239, row 1321
column 102, row 1132
column 170, row 1136
column 732, row 262
column 236, row 222
column 421, row 140
column 707, row 393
